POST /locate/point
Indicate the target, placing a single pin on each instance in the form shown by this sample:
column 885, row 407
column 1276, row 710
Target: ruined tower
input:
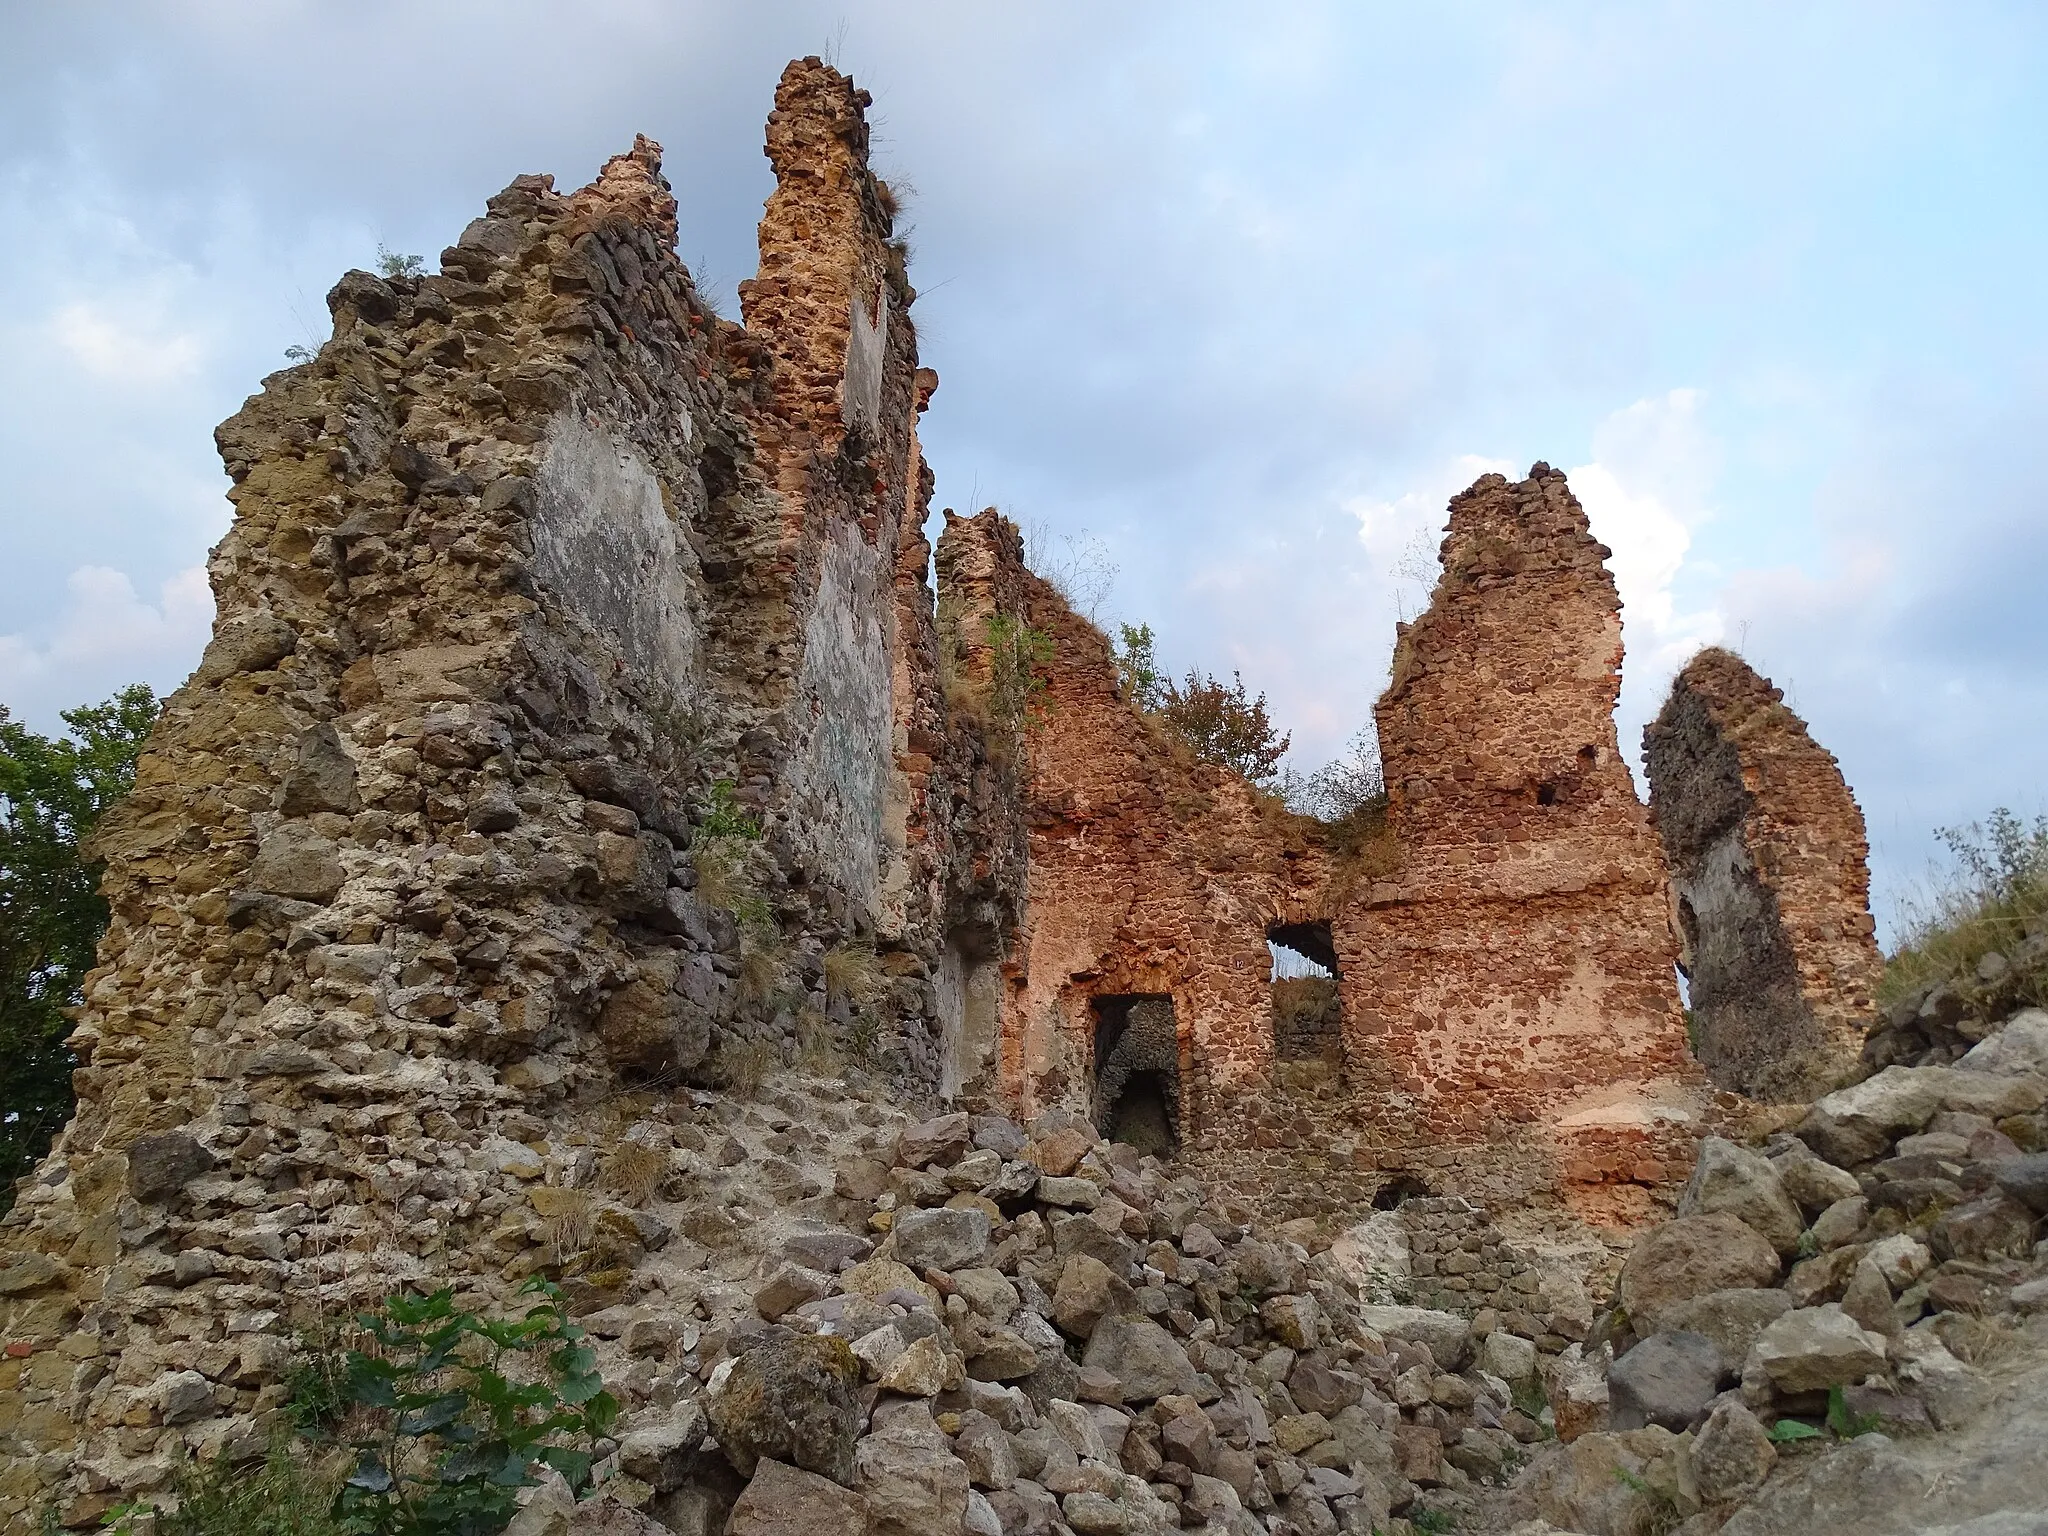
column 1521, row 962
column 1770, row 882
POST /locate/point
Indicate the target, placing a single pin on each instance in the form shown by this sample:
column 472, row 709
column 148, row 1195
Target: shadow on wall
column 1137, row 1097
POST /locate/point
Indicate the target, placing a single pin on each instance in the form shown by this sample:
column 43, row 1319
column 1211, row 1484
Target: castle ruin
column 581, row 717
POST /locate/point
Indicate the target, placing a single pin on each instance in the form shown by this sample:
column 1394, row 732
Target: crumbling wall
column 1509, row 1010
column 544, row 583
column 1513, row 983
column 1151, row 874
column 1770, row 883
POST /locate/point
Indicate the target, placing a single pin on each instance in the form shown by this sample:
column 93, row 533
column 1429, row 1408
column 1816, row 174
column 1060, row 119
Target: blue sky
column 1238, row 295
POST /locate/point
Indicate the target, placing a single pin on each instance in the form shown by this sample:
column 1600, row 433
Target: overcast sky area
column 1243, row 296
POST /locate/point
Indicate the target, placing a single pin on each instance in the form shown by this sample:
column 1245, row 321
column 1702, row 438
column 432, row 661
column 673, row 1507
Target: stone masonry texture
column 583, row 727
column 1511, row 1022
column 1770, row 882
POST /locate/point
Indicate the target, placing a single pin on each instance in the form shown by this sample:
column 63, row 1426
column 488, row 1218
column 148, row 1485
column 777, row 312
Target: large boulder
column 1854, row 1124
column 1667, row 1379
column 1447, row 1336
column 1731, row 1455
column 1576, row 1384
column 789, row 1397
column 1087, row 1293
column 1745, row 1185
column 782, row 1500
column 943, row 1141
column 1374, row 1256
column 2025, row 1179
column 1142, row 1356
column 913, row 1483
column 1732, row 1319
column 941, row 1239
column 1692, row 1256
column 1814, row 1185
column 2019, row 1048
column 1811, row 1349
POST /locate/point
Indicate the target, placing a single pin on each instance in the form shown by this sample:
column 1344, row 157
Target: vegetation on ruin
column 1993, row 896
column 463, row 1411
column 1223, row 724
column 53, row 792
column 288, row 1495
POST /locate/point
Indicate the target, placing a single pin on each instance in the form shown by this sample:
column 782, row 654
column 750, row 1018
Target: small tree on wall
column 1224, row 725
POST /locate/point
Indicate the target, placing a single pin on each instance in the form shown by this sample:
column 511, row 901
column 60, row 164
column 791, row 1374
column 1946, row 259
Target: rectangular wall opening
column 1308, row 1013
column 1137, row 1098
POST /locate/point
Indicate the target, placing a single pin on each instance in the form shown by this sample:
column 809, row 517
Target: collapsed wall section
column 1770, row 883
column 545, row 749
column 1514, row 979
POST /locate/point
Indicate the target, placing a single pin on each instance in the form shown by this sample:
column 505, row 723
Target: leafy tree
column 1224, row 725
column 1138, row 678
column 464, row 1411
column 53, row 791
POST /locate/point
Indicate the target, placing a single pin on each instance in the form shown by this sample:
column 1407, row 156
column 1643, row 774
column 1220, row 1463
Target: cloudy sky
column 1231, row 296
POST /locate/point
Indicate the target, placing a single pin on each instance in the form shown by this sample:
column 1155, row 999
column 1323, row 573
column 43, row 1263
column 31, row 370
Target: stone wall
column 545, row 586
column 1770, row 883
column 1510, row 1014
column 1517, row 969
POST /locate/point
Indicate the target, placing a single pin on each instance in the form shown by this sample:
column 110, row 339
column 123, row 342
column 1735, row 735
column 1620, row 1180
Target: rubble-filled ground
column 1841, row 1331
column 963, row 1323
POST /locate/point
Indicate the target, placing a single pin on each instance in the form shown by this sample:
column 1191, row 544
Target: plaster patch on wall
column 866, row 341
column 606, row 549
column 840, row 774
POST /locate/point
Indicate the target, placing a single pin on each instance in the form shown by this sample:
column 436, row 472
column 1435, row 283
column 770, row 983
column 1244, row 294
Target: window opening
column 1397, row 1192
column 1137, row 1072
column 1308, row 1014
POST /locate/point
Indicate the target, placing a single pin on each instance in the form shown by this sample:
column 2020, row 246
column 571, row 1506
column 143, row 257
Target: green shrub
column 465, row 1411
column 1994, row 891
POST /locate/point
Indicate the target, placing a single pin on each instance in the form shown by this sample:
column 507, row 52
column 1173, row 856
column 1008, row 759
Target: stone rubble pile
column 1856, row 1262
column 1036, row 1331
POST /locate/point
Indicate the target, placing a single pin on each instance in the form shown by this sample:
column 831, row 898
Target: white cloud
column 131, row 348
column 105, row 638
column 1644, row 493
column 1402, row 536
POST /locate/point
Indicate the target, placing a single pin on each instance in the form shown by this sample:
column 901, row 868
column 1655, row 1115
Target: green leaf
column 371, row 1475
column 435, row 1414
column 574, row 1465
column 1786, row 1430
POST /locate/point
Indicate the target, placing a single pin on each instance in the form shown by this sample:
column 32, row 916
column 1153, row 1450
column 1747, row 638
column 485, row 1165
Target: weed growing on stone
column 1432, row 1522
column 392, row 263
column 1993, row 895
column 635, row 1170
column 468, row 1410
column 288, row 1495
column 863, row 1038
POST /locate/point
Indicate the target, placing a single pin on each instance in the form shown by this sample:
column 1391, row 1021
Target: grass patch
column 634, row 1171
column 742, row 1066
column 291, row 1494
column 1993, row 894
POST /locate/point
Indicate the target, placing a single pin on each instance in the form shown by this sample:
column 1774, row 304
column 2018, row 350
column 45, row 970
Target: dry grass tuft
column 572, row 1224
column 817, row 1052
column 634, row 1171
column 742, row 1066
column 854, row 974
column 763, row 965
